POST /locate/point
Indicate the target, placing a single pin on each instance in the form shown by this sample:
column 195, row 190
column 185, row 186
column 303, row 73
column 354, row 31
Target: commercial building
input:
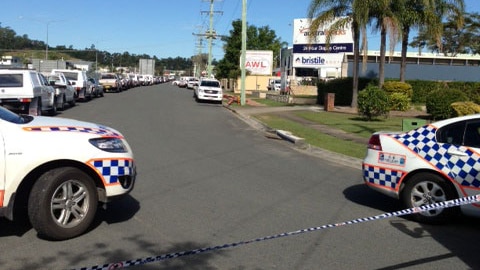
column 310, row 58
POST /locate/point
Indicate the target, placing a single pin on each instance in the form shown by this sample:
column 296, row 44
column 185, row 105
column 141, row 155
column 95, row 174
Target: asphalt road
column 207, row 178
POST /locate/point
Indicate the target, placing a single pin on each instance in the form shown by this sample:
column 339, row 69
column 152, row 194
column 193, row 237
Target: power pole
column 244, row 52
column 210, row 35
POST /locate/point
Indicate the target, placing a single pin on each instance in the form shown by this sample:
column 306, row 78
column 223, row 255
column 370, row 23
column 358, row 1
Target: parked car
column 182, row 83
column 274, row 84
column 26, row 91
column 430, row 164
column 110, row 82
column 64, row 92
column 175, row 82
column 97, row 87
column 208, row 89
column 148, row 79
column 125, row 81
column 134, row 79
column 57, row 170
column 79, row 80
column 192, row 82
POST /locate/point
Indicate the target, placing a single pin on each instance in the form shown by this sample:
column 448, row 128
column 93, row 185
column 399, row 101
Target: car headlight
column 111, row 144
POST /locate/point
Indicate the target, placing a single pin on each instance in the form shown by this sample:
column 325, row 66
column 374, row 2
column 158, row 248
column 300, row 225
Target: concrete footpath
column 246, row 112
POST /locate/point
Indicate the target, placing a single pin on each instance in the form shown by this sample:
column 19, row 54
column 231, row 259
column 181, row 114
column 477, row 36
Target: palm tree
column 426, row 14
column 343, row 12
column 385, row 21
column 411, row 13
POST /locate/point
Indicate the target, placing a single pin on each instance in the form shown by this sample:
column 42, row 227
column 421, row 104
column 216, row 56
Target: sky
column 154, row 27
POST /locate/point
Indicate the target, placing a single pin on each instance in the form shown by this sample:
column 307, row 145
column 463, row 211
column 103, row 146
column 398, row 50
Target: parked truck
column 64, row 91
column 26, row 91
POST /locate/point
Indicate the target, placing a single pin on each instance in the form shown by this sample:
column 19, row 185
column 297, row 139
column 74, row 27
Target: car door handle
column 457, row 153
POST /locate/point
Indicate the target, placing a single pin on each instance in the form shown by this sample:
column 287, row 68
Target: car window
column 72, row 76
column 11, row 80
column 43, row 79
column 35, row 79
column 211, row 83
column 54, row 79
column 472, row 134
column 108, row 76
column 452, row 134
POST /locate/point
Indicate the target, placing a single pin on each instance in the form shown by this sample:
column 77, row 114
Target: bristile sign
column 259, row 62
column 310, row 49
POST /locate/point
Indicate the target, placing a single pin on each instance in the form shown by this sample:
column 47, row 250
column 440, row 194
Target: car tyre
column 38, row 109
column 62, row 203
column 427, row 188
column 61, row 105
column 53, row 111
column 73, row 102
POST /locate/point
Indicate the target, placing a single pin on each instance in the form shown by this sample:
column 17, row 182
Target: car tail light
column 374, row 142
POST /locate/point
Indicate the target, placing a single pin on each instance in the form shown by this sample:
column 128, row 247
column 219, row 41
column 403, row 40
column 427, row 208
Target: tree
column 426, row 14
column 450, row 36
column 387, row 23
column 258, row 38
column 412, row 14
column 345, row 12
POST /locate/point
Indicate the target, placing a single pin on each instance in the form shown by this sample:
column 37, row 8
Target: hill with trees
column 22, row 46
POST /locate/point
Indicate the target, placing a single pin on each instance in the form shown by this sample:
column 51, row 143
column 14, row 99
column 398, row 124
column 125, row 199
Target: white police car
column 434, row 163
column 57, row 170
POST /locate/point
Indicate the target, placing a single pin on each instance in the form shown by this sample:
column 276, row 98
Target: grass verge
column 353, row 124
column 313, row 137
column 350, row 123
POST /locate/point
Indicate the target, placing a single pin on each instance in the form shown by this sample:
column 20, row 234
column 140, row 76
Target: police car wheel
column 427, row 188
column 62, row 203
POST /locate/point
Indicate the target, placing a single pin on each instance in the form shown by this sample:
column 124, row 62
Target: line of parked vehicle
column 31, row 92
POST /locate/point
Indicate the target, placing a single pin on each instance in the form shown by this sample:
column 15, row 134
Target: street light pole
column 46, row 47
column 48, row 25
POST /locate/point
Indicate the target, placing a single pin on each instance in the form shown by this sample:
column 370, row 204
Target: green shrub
column 398, row 102
column 422, row 89
column 399, row 94
column 392, row 87
column 373, row 102
column 465, row 108
column 473, row 91
column 439, row 101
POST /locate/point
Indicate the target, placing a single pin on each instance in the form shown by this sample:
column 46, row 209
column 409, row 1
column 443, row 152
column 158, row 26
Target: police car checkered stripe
column 98, row 131
column 381, row 176
column 111, row 169
column 423, row 142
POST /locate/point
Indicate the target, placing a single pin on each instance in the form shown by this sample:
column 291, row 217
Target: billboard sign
column 259, row 62
column 302, row 33
column 320, row 60
column 310, row 49
column 322, row 48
